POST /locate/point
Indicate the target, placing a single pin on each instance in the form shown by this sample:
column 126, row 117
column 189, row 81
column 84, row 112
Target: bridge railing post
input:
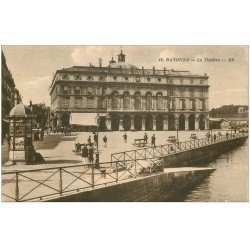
column 116, row 171
column 60, row 181
column 92, row 175
column 17, row 188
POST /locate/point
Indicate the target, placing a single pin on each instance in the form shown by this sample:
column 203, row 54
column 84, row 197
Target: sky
column 33, row 67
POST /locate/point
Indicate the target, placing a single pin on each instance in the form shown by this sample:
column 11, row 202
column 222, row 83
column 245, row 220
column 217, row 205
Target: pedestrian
column 214, row 137
column 36, row 135
column 91, row 154
column 146, row 138
column 95, row 138
column 89, row 140
column 153, row 141
column 125, row 137
column 105, row 139
column 85, row 154
column 42, row 134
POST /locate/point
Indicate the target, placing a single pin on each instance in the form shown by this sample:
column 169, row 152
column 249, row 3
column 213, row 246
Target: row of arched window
column 137, row 100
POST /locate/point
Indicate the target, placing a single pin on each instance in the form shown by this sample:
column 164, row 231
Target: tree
column 40, row 111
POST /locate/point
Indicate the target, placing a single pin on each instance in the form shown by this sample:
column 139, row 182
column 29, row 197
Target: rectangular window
column 192, row 104
column 90, row 102
column 78, row 102
column 66, row 103
column 181, row 81
column 182, row 105
column 202, row 104
column 64, row 77
column 65, row 90
column 171, row 106
column 201, row 81
column 77, row 77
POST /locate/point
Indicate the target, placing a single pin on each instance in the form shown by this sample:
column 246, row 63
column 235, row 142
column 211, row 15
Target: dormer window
column 126, row 78
column 77, row 77
column 101, row 78
column 89, row 77
column 148, row 79
column 115, row 78
column 171, row 80
column 159, row 79
column 64, row 77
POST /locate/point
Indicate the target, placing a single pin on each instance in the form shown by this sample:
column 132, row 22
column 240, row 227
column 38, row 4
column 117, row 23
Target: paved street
column 58, row 148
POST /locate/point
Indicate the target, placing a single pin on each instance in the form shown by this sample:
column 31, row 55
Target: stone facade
column 10, row 95
column 130, row 98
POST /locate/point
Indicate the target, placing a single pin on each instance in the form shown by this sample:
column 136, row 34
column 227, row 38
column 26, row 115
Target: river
column 229, row 182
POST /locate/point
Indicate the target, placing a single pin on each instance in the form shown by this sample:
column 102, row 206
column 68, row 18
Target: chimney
column 100, row 62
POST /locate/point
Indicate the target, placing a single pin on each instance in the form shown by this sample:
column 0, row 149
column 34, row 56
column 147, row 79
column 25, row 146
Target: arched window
column 148, row 100
column 137, row 100
column 126, row 100
column 115, row 100
column 159, row 100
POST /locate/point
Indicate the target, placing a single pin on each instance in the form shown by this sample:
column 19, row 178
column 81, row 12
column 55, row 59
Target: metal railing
column 38, row 184
column 148, row 153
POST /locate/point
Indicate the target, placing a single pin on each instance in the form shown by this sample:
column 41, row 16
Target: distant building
column 10, row 95
column 129, row 98
column 224, row 124
column 243, row 109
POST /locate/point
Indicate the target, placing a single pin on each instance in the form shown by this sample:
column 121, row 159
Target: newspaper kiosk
column 20, row 135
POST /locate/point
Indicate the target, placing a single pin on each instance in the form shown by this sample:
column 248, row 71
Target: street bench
column 140, row 142
column 193, row 137
column 172, row 139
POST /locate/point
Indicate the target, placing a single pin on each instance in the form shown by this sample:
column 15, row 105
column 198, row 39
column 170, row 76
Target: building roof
column 127, row 68
column 123, row 65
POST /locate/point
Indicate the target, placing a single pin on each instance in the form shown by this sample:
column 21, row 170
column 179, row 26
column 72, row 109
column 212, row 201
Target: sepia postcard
column 124, row 123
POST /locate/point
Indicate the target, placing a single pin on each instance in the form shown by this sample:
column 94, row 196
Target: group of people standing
column 38, row 135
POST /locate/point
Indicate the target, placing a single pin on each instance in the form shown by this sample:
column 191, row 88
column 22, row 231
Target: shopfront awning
column 84, row 119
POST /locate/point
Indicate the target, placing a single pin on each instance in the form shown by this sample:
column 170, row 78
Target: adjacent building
column 130, row 98
column 10, row 95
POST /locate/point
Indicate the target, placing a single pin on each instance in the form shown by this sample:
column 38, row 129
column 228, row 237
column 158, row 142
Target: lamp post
column 97, row 142
column 211, row 128
column 177, row 129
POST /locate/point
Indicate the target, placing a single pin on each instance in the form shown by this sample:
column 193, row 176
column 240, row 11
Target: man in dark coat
column 85, row 153
column 146, row 138
column 91, row 154
column 125, row 137
column 153, row 141
column 105, row 139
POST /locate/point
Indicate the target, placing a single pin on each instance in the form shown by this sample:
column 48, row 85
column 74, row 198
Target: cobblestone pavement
column 59, row 149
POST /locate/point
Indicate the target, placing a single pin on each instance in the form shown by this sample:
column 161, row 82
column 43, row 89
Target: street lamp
column 97, row 120
column 211, row 128
column 177, row 129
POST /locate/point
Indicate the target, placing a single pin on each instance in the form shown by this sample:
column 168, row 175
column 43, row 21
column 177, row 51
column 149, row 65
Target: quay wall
column 202, row 154
column 158, row 187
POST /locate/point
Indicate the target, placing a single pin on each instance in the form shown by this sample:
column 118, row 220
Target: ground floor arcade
column 126, row 121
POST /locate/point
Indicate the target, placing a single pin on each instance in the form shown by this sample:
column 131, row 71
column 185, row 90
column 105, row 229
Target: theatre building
column 130, row 98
